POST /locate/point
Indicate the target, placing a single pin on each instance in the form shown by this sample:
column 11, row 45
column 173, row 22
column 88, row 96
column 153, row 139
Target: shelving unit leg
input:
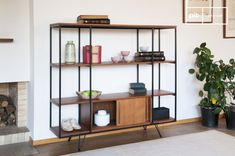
column 145, row 128
column 81, row 142
column 158, row 131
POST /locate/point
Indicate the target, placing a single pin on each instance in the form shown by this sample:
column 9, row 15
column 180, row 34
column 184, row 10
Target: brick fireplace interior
column 13, row 113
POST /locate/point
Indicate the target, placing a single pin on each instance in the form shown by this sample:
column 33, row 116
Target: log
column 4, row 104
column 2, row 125
column 10, row 109
column 2, row 110
column 11, row 119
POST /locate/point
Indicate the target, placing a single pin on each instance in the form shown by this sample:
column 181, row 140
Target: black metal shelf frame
column 90, row 68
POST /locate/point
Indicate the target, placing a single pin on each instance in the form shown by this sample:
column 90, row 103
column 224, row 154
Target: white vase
column 102, row 118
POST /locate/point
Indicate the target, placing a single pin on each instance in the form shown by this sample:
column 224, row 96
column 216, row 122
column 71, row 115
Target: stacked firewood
column 7, row 111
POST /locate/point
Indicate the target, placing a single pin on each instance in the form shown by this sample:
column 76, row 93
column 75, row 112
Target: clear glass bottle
column 70, row 53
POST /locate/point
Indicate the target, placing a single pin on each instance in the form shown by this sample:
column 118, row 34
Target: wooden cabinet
column 132, row 111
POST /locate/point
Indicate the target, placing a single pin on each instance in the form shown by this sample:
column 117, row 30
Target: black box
column 161, row 113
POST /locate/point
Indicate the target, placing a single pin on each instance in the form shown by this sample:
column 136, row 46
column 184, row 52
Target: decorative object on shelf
column 161, row 113
column 128, row 59
column 148, row 56
column 124, row 54
column 102, row 118
column 229, row 19
column 96, row 53
column 70, row 124
column 137, row 89
column 218, row 85
column 116, row 59
column 6, row 40
column 70, row 53
column 93, row 19
column 197, row 11
column 144, row 48
column 86, row 94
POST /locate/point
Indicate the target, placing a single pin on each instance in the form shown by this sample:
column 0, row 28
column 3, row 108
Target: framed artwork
column 197, row 11
column 229, row 18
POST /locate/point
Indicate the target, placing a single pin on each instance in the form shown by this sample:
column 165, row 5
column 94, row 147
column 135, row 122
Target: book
column 94, row 21
column 92, row 17
column 155, row 53
column 137, row 85
column 138, row 91
column 149, row 58
column 96, row 54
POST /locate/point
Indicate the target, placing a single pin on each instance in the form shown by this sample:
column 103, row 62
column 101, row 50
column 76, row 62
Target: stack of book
column 137, row 89
column 93, row 19
column 148, row 56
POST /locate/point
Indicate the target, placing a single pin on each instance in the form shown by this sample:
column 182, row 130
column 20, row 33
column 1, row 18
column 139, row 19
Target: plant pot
column 209, row 118
column 230, row 118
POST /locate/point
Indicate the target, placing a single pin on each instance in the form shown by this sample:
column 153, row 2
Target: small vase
column 70, row 53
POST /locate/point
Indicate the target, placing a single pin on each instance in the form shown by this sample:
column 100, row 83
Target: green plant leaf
column 201, row 93
column 231, row 61
column 203, row 45
column 196, row 50
column 191, row 71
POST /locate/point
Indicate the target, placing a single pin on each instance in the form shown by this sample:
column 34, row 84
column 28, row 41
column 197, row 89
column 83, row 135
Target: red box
column 96, row 54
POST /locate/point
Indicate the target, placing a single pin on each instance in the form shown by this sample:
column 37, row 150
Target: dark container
column 209, row 118
column 230, row 117
column 161, row 113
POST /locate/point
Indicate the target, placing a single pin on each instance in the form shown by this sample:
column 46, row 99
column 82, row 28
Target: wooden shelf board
column 83, row 130
column 108, row 97
column 5, row 40
column 110, row 26
column 164, row 121
column 113, row 126
column 108, row 63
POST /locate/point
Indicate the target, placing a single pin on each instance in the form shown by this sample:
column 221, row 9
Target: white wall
column 127, row 12
column 14, row 57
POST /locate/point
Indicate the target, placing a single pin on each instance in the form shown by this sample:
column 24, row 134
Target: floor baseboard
column 56, row 140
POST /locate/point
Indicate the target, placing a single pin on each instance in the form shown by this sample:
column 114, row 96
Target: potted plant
column 213, row 98
column 228, row 74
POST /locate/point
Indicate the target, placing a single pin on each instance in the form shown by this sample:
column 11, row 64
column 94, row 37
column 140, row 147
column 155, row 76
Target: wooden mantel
column 5, row 40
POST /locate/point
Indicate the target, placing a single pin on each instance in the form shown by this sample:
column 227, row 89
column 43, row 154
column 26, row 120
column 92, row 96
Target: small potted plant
column 212, row 94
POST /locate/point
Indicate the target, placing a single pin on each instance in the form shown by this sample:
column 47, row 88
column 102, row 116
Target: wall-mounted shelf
column 6, row 40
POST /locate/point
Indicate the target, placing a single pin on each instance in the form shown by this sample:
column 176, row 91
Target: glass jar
column 70, row 53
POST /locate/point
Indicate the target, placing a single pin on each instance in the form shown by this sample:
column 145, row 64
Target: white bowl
column 102, row 120
column 129, row 58
column 144, row 48
column 115, row 59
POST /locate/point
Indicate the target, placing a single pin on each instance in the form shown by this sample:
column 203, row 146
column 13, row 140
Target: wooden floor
column 125, row 138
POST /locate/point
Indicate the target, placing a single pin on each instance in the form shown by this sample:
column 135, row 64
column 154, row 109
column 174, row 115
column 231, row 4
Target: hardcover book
column 137, row 85
column 92, row 17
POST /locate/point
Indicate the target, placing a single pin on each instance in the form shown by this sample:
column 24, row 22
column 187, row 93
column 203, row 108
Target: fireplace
column 13, row 112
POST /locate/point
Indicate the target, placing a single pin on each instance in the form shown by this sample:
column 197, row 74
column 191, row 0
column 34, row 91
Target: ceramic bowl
column 84, row 95
column 125, row 53
column 129, row 58
column 144, row 48
column 115, row 59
